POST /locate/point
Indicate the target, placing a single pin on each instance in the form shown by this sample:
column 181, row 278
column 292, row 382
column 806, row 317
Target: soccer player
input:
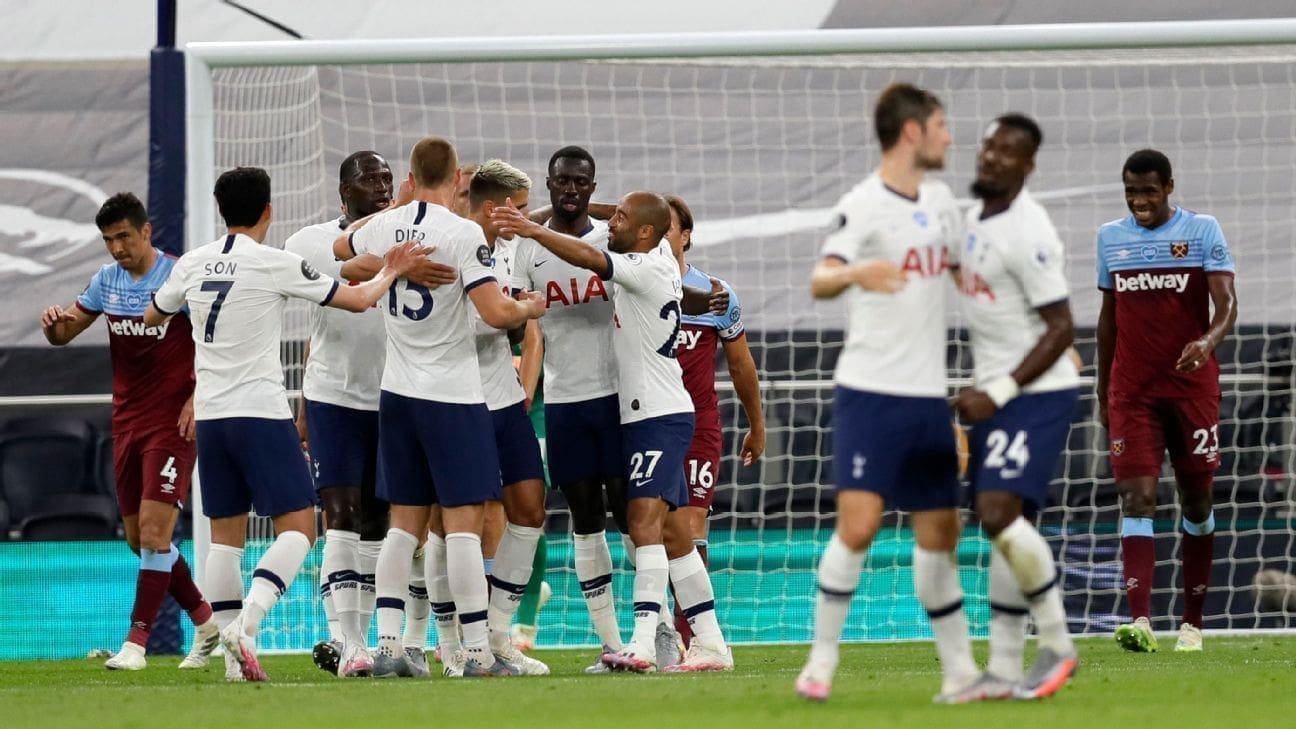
column 1011, row 273
column 582, row 426
column 1162, row 269
column 338, row 420
column 152, row 420
column 656, row 417
column 892, row 441
column 250, row 456
column 698, row 338
column 437, row 441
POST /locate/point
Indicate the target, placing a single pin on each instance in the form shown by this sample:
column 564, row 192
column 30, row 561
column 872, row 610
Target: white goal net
column 760, row 147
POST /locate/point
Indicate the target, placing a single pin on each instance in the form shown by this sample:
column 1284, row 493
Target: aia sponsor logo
column 927, row 261
column 1117, row 446
column 1176, row 282
column 971, row 284
column 594, row 290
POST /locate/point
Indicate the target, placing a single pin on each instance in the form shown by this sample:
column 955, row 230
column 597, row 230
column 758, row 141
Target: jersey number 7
column 222, row 289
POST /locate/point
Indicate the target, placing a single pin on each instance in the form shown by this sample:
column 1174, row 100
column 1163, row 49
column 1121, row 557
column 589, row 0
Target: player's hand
column 404, row 193
column 303, row 434
column 187, row 425
column 430, row 274
column 1194, row 356
column 512, row 222
column 973, row 405
column 881, row 276
column 403, row 258
column 533, row 300
column 753, row 446
column 718, row 301
column 56, row 315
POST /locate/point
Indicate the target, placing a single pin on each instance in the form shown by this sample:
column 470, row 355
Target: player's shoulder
column 936, row 191
column 863, row 193
column 1199, row 220
column 312, row 235
column 1119, row 227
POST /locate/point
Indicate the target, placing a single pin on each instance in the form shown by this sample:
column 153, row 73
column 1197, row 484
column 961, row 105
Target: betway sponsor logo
column 1177, row 282
column 688, row 338
column 136, row 328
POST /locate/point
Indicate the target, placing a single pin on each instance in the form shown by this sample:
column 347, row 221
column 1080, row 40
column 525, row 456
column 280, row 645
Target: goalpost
column 761, row 133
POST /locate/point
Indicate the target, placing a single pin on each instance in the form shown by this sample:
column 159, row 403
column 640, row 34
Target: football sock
column 368, row 553
column 652, row 572
column 681, row 622
column 628, row 546
column 274, row 573
column 185, row 591
column 1198, row 551
column 594, row 572
column 1032, row 563
column 1138, row 553
column 1008, row 611
column 530, row 604
column 936, row 581
column 151, row 586
column 416, row 610
column 839, row 573
column 330, row 613
column 340, row 566
column 392, row 576
column 513, row 563
column 694, row 594
column 224, row 582
column 438, row 587
column 467, row 579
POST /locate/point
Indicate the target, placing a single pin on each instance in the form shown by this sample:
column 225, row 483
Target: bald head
column 640, row 221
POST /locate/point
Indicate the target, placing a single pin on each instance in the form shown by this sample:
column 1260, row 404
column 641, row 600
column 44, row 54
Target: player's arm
column 427, row 273
column 396, row 263
column 501, row 312
column 61, row 326
column 742, row 370
column 833, row 275
column 575, row 251
column 302, row 431
column 532, row 360
column 1224, row 300
column 698, row 302
column 1106, row 335
column 975, row 404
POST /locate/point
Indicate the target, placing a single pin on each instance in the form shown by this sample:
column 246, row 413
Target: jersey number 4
column 222, row 289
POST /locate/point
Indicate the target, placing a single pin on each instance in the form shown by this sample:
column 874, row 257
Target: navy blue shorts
column 247, row 464
column 1017, row 449
column 436, row 452
column 583, row 440
column 517, row 446
column 654, row 452
column 901, row 448
column 343, row 446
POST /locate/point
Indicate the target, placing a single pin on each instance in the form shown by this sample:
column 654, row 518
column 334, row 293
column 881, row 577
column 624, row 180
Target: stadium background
column 74, row 129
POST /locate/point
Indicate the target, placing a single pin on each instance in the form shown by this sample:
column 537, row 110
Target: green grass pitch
column 1245, row 682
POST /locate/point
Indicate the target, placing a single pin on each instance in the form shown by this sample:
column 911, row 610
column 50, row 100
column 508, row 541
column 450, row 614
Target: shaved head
column 640, row 221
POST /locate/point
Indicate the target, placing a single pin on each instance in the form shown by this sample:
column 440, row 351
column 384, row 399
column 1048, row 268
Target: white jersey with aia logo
column 578, row 362
column 236, row 289
column 430, row 349
column 895, row 343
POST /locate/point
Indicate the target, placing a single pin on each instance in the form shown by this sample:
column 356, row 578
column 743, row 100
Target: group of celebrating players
column 430, row 475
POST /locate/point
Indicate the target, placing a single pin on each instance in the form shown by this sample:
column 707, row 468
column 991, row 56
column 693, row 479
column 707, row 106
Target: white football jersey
column 236, row 289
column 346, row 349
column 648, row 317
column 499, row 378
column 577, row 327
column 430, row 348
column 895, row 343
column 1011, row 264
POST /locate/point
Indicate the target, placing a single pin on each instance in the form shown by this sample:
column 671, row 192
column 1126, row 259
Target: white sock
column 330, row 614
column 391, row 578
column 368, row 554
column 468, row 585
column 936, row 581
column 438, row 587
column 1031, row 561
column 628, row 545
column 274, row 574
column 696, row 598
column 652, row 574
column 839, row 573
column 594, row 572
column 513, row 561
column 341, row 569
column 1008, row 613
column 223, row 583
column 416, row 610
